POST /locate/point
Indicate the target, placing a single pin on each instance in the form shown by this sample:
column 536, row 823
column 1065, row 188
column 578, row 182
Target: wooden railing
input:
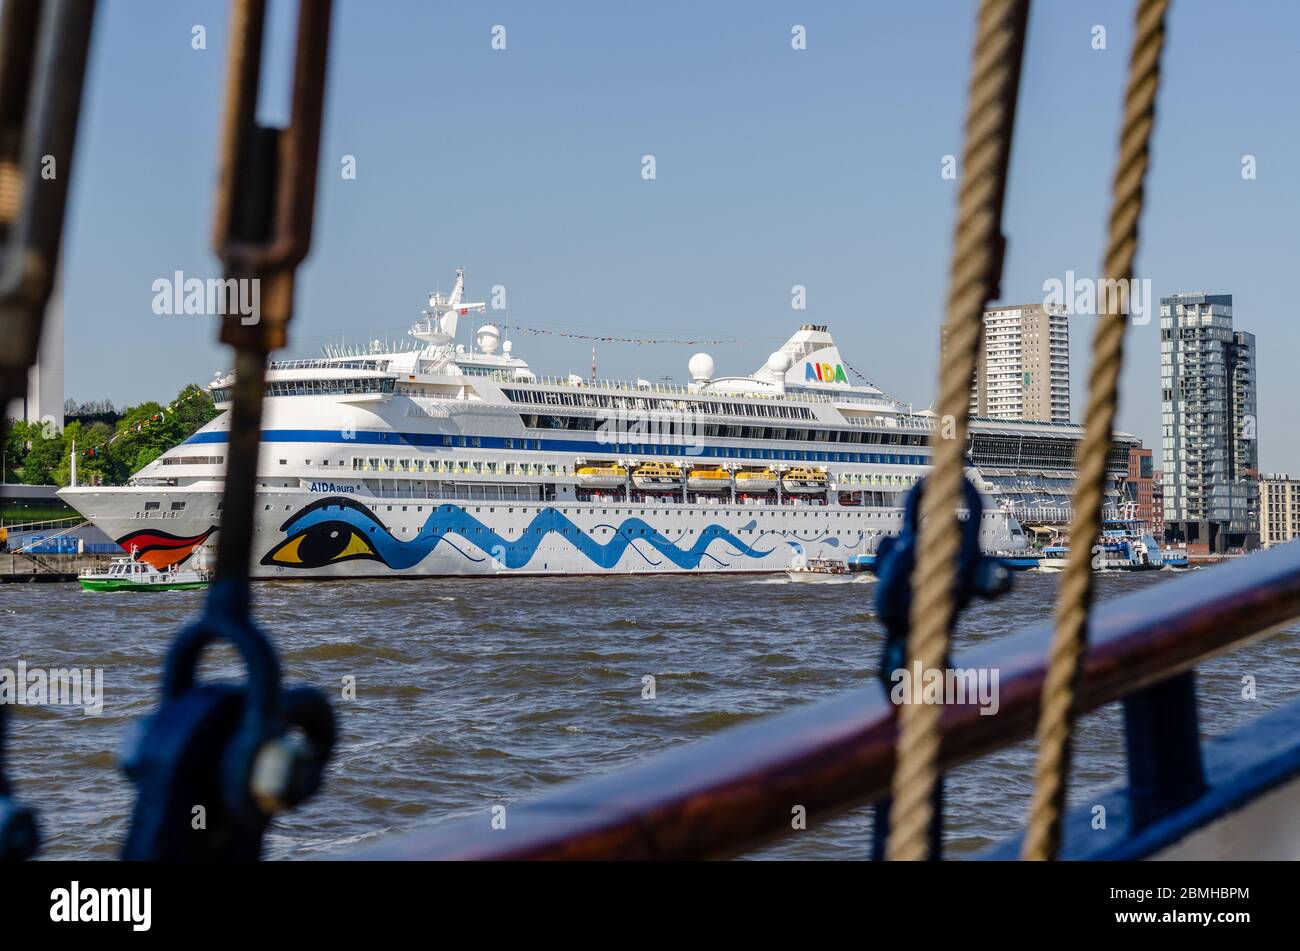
column 734, row 791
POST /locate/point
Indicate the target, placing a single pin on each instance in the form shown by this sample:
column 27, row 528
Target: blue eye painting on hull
column 338, row 529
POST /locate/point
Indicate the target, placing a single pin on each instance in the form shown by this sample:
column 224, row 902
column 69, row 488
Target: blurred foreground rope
column 1043, row 834
column 976, row 269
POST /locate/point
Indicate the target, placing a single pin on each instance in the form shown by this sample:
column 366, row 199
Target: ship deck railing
column 321, row 363
column 736, row 791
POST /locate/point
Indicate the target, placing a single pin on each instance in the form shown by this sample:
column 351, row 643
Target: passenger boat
column 127, row 574
column 1054, row 558
column 817, row 569
column 465, row 461
column 658, row 477
column 1126, row 545
column 601, row 476
column 1021, row 561
column 708, row 480
column 804, row 480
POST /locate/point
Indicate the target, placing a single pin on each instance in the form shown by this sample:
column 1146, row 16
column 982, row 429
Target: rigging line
column 976, row 268
column 1043, row 833
column 603, row 338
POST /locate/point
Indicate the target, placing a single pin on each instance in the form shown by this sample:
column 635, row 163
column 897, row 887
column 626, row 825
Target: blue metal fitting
column 977, row 574
column 19, row 837
column 231, row 753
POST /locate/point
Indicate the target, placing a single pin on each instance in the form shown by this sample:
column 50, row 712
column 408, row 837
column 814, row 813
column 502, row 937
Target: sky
column 774, row 167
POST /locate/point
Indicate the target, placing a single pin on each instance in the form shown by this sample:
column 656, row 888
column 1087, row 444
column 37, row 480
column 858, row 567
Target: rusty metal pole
column 262, row 232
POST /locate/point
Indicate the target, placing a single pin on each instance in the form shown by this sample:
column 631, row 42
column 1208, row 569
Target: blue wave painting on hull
column 336, row 529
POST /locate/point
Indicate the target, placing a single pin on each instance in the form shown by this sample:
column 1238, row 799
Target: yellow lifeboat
column 804, row 480
column 755, row 480
column 601, row 475
column 657, row 476
column 708, row 480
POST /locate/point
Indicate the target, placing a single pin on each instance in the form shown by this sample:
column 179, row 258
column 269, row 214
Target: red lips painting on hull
column 162, row 549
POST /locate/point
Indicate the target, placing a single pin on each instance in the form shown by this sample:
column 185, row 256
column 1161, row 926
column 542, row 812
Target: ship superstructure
column 438, row 458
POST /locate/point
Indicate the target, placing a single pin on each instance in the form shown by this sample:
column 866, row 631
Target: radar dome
column 701, row 367
column 779, row 363
column 487, row 338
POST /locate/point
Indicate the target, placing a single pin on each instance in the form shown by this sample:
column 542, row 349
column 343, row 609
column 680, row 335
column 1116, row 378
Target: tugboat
column 127, row 574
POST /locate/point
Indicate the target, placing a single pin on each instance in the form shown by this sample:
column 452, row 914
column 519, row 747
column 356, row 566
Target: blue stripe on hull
column 435, row 440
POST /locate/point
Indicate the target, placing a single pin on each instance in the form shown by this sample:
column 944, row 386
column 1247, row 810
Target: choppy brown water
column 477, row 692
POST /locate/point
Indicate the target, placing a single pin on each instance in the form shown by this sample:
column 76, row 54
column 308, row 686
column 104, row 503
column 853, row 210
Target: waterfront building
column 1208, row 424
column 1023, row 368
column 1279, row 509
column 1139, row 483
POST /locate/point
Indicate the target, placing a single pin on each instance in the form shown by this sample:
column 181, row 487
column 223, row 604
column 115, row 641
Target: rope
column 976, row 268
column 1042, row 837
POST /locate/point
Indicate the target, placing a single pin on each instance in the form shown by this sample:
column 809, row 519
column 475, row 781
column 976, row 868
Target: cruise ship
column 435, row 457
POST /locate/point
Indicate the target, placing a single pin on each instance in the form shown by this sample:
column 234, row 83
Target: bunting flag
column 854, row 371
column 95, row 451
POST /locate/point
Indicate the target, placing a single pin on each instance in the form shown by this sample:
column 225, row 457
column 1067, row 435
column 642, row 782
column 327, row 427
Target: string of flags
column 854, row 371
column 606, row 338
column 153, row 420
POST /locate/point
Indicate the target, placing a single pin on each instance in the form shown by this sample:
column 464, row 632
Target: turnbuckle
column 235, row 754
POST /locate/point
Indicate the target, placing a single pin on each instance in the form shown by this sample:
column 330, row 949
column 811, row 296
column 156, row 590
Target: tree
column 40, row 455
column 44, row 447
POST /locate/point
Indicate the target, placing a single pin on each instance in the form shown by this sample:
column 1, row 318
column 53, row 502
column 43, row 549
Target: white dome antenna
column 701, row 368
column 779, row 363
column 488, row 338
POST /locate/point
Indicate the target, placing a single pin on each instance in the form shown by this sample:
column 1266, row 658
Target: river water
column 475, row 692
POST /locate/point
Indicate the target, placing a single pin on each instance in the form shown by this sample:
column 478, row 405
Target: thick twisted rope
column 1042, row 837
column 976, row 269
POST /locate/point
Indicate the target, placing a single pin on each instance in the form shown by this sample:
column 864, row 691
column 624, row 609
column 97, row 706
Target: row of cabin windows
column 689, row 427
column 644, row 403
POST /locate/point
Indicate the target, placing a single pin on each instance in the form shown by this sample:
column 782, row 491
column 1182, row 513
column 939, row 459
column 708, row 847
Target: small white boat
column 804, row 481
column 657, row 476
column 817, row 569
column 126, row 574
column 598, row 476
column 755, row 480
column 708, row 480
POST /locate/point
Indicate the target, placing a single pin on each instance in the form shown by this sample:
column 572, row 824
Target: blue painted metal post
column 1163, row 739
column 895, row 561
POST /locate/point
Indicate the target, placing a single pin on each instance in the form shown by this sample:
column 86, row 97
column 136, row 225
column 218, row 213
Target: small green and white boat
column 126, row 574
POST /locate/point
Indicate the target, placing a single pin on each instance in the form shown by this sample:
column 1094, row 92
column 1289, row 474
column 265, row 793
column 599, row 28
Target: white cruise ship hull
column 315, row 535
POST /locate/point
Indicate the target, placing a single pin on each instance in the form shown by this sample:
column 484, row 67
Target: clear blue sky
column 775, row 167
